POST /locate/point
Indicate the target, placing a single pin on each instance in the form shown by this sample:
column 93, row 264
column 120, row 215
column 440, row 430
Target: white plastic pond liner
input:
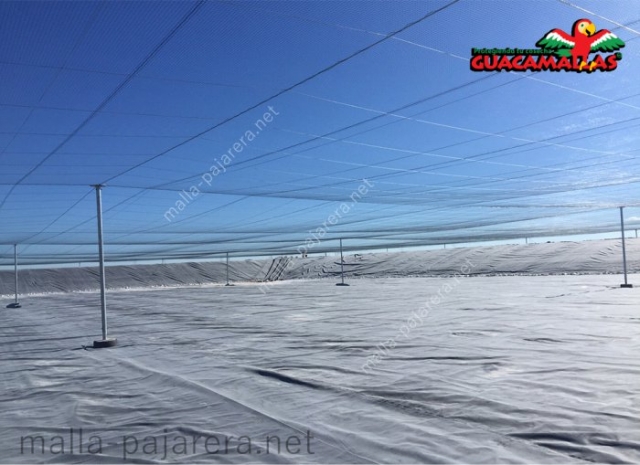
column 500, row 369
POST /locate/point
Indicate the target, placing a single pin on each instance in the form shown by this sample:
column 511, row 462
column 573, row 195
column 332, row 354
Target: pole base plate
column 626, row 285
column 14, row 305
column 103, row 343
column 342, row 284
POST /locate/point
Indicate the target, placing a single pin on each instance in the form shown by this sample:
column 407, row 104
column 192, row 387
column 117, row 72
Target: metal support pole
column 15, row 303
column 342, row 283
column 624, row 250
column 103, row 296
column 341, row 263
column 228, row 284
column 106, row 341
column 15, row 271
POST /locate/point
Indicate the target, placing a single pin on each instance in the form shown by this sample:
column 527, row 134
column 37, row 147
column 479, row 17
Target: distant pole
column 526, row 240
column 624, row 250
column 341, row 263
column 105, row 341
column 342, row 283
column 15, row 272
column 636, row 233
column 228, row 284
column 15, row 303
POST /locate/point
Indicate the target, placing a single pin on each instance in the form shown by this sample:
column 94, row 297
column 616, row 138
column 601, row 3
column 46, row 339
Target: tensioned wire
column 291, row 87
column 181, row 23
column 196, row 7
column 534, row 167
column 248, row 160
column 346, row 223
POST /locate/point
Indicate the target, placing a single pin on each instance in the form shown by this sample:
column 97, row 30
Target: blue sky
column 147, row 97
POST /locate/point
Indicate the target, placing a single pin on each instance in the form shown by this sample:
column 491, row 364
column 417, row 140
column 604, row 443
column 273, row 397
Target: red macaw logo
column 581, row 43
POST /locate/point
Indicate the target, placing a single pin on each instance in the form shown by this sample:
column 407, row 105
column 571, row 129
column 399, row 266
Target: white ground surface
column 503, row 369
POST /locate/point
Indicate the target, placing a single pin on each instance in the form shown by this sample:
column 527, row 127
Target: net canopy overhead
column 261, row 128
